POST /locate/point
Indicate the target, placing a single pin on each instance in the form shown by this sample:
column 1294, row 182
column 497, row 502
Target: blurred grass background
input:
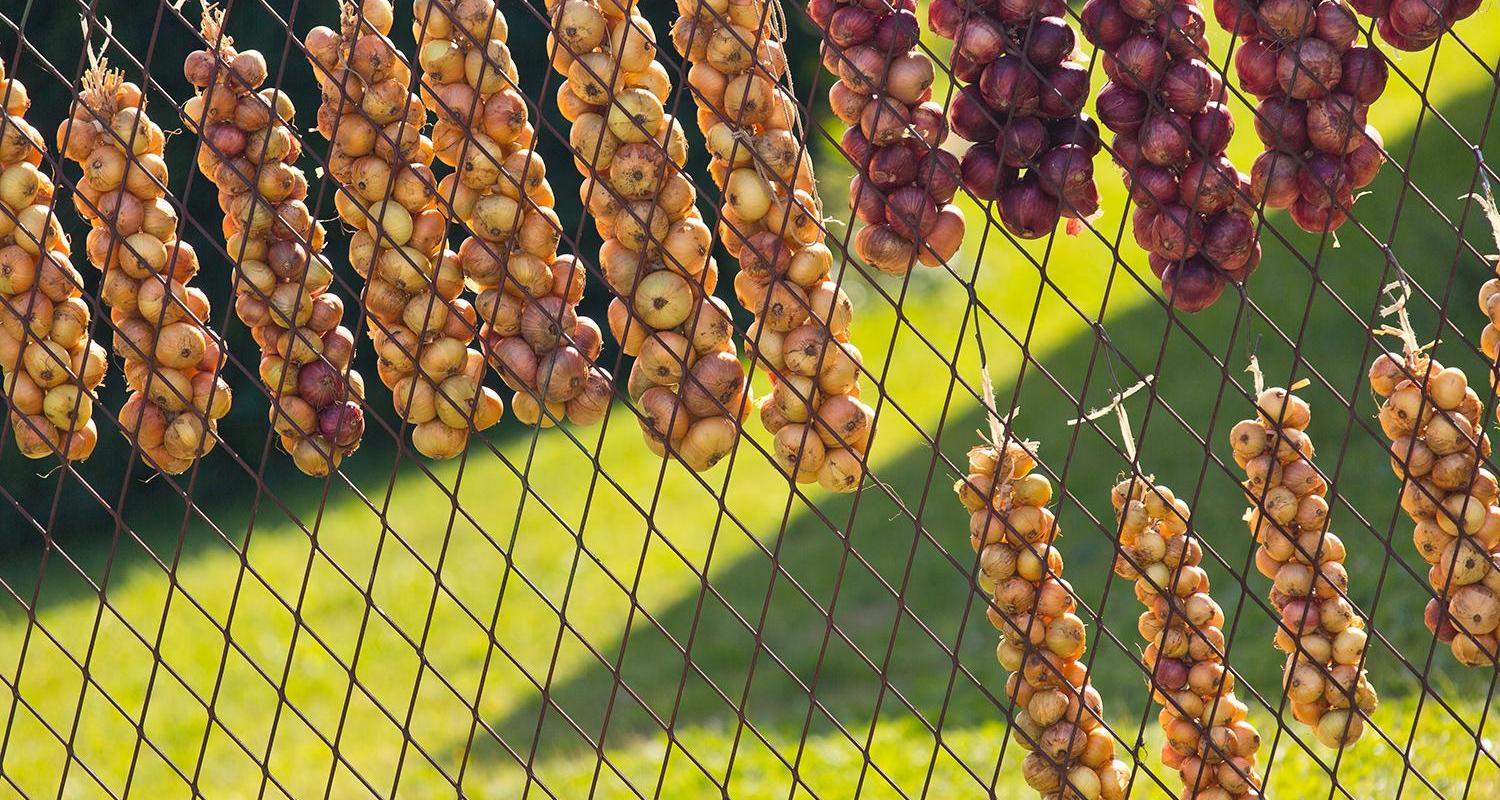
column 364, row 618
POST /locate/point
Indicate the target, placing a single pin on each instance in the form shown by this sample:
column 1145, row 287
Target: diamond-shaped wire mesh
column 561, row 611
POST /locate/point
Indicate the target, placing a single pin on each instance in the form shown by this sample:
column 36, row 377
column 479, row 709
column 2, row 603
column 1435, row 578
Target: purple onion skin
column 1229, row 241
column 855, row 146
column 343, row 424
column 984, row 175
column 940, row 172
column 1082, row 131
column 894, row 165
column 1049, row 41
column 1212, row 129
column 1281, row 124
column 1080, row 202
column 1021, row 141
column 1065, row 167
column 1027, row 210
column 1255, row 65
column 1235, row 16
column 970, row 117
column 1187, row 87
column 1104, row 24
column 1010, row 85
column 1064, row 91
column 944, row 17
column 1210, row 185
column 1121, row 109
column 1364, row 74
column 1151, row 185
column 1166, row 139
column 897, row 33
column 1192, row 285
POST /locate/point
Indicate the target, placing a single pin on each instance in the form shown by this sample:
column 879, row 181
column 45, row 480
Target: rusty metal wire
column 219, row 504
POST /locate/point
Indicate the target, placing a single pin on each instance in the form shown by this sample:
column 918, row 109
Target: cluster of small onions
column 687, row 381
column 1321, row 633
column 420, row 325
column 1315, row 87
column 1415, row 24
column 1209, row 741
column 527, row 294
column 1166, row 106
column 1059, row 714
column 50, row 365
column 172, row 361
column 771, row 221
column 1434, row 420
column 1022, row 107
column 281, row 277
column 905, row 182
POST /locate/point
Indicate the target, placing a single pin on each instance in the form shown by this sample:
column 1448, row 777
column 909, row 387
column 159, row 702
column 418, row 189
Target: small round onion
column 911, row 213
column 1286, row 20
column 1027, row 210
column 1138, row 63
column 1178, row 232
column 897, row 32
column 851, row 25
column 1323, row 181
column 1312, row 219
column 1192, row 285
column 1187, row 86
column 1064, row 91
column 1237, row 17
column 1103, row 22
column 1364, row 74
column 1065, row 167
column 983, row 173
column 1336, row 25
column 1419, row 20
column 1255, row 64
column 1209, row 185
column 1081, row 130
column 893, row 165
column 1273, row 178
column 944, row 17
column 1281, row 123
column 1152, row 185
column 1010, row 85
column 1021, row 141
column 1048, row 41
column 1334, row 123
column 939, row 173
column 1229, row 241
column 970, row 117
column 1212, row 129
column 1121, row 109
column 1308, row 68
column 1181, row 28
column 1364, row 162
column 1165, row 139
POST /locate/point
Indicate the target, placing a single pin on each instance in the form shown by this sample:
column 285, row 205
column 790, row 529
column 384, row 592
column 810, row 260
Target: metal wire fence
column 561, row 610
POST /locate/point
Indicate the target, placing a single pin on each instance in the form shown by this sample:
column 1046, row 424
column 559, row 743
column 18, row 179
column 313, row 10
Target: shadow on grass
column 1334, row 341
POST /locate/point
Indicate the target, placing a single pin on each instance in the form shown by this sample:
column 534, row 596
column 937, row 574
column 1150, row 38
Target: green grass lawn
column 379, row 641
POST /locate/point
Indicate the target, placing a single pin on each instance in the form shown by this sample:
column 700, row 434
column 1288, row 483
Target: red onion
column 1286, row 20
column 1152, row 185
column 1324, row 182
column 1142, row 10
column 1138, row 63
column 1103, row 23
column 1009, row 85
column 893, row 165
column 320, row 384
column 1229, row 241
column 1312, row 219
column 1165, row 139
column 930, row 124
column 980, row 39
column 1027, row 211
column 1049, row 41
column 1181, row 28
column 1364, row 74
column 1334, row 123
column 850, row 26
column 1255, row 64
column 983, row 173
column 868, row 201
column 1273, row 178
column 1016, row 12
column 911, row 213
column 944, row 17
column 1187, row 86
column 1191, row 286
column 1371, row 8
column 897, row 32
column 1235, row 16
column 1364, row 162
column 1336, row 25
column 1212, row 129
column 855, row 146
column 939, row 173
column 1419, row 20
column 1122, row 110
column 1282, row 124
column 1308, row 68
column 1209, row 186
column 1143, row 225
column 971, row 117
column 821, row 11
column 1065, row 167
column 1021, row 141
column 1178, row 232
column 1064, row 91
column 343, row 423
